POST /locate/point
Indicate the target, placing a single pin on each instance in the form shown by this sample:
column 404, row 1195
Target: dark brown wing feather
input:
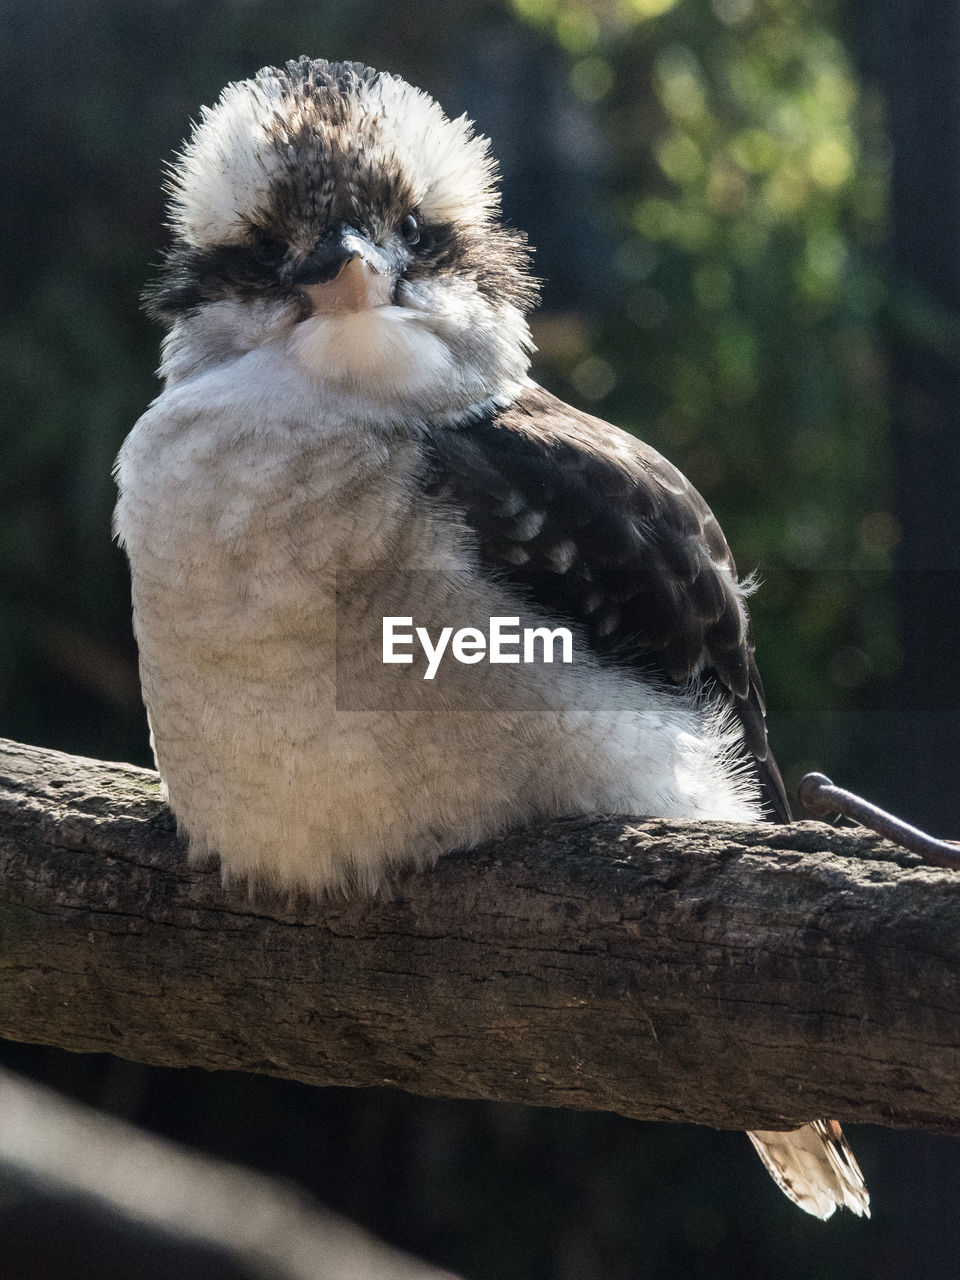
column 597, row 528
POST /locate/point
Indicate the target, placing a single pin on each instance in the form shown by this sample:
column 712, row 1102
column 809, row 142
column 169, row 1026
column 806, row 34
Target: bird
column 348, row 433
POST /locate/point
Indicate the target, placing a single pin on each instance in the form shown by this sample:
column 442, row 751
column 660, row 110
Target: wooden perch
column 734, row 976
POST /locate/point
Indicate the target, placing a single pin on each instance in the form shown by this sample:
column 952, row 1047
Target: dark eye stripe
column 267, row 249
column 190, row 276
column 495, row 261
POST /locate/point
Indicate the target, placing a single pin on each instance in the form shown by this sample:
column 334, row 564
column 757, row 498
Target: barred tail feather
column 814, row 1167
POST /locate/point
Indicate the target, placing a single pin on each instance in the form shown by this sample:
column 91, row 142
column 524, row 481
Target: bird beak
column 346, row 272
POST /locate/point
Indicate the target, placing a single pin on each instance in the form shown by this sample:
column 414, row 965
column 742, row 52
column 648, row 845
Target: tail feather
column 814, row 1167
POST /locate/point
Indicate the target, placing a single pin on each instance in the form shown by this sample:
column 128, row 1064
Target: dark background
column 747, row 219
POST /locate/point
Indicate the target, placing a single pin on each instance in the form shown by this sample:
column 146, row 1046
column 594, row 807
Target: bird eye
column 410, row 230
column 267, row 249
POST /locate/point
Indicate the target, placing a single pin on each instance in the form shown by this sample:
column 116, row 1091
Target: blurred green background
column 746, row 216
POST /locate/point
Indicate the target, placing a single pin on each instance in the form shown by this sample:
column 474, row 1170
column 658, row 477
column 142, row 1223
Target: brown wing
column 596, row 528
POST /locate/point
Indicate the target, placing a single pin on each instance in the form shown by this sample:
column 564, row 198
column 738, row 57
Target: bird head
column 333, row 215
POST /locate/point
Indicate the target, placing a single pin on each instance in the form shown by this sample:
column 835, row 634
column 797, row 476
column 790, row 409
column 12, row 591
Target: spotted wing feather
column 596, row 528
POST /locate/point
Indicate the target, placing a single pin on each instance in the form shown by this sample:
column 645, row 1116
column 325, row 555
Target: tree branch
column 735, row 976
column 75, row 1182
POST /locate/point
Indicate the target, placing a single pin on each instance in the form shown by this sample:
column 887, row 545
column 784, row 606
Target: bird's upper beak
column 346, row 272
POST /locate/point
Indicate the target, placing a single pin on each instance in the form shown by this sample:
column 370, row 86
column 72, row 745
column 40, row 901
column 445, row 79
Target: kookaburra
column 348, row 433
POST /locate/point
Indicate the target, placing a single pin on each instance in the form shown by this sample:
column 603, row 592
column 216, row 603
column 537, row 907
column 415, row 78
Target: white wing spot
column 529, row 525
column 515, row 555
column 608, row 623
column 563, row 555
column 512, row 504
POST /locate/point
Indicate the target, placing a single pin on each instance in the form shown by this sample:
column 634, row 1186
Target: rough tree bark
column 733, row 976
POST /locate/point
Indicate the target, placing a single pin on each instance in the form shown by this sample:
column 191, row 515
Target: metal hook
column 820, row 798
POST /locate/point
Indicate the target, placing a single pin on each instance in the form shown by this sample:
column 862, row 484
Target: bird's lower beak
column 346, row 272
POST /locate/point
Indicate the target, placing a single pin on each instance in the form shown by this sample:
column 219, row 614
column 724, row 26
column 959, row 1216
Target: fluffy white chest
column 235, row 534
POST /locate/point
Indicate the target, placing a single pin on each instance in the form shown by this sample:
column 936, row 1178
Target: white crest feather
column 221, row 180
column 225, row 168
column 446, row 160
